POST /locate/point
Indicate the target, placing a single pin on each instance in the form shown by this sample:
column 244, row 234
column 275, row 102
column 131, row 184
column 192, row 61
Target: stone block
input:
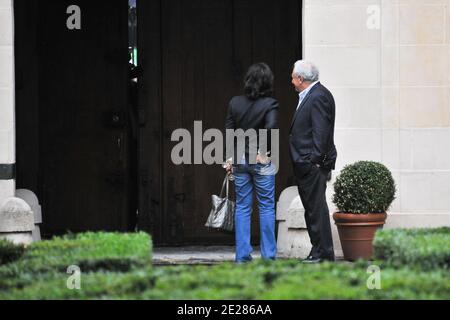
column 357, row 144
column 423, row 107
column 285, row 201
column 15, row 216
column 296, row 215
column 7, row 188
column 390, row 107
column 6, row 26
column 6, row 67
column 355, row 106
column 440, row 195
column 447, row 26
column 7, row 152
column 410, row 220
column 283, row 239
column 6, row 108
column 389, row 22
column 432, row 61
column 416, row 191
column 421, row 24
column 324, row 26
column 292, row 243
column 36, row 233
column 336, row 69
column 391, row 148
column 390, row 64
column 32, row 200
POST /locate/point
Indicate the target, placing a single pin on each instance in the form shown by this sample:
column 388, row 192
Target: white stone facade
column 387, row 62
column 7, row 133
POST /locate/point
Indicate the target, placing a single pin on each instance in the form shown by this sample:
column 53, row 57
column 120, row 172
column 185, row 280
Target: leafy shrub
column 364, row 187
column 423, row 248
column 90, row 251
column 259, row 280
column 10, row 251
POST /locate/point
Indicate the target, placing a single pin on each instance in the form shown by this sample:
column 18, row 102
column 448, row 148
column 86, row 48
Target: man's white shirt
column 302, row 95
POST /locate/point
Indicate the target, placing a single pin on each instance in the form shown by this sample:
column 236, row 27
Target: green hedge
column 10, row 252
column 287, row 279
column 118, row 266
column 423, row 248
column 91, row 252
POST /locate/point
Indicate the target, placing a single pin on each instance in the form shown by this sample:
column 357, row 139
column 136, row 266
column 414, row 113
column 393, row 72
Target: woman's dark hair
column 258, row 81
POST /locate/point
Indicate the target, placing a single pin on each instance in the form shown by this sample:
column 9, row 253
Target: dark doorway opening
column 75, row 142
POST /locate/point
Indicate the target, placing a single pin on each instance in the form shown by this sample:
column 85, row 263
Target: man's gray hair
column 307, row 70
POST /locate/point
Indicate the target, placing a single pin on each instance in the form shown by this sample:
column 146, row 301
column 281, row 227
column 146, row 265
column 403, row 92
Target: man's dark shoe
column 318, row 259
column 312, row 260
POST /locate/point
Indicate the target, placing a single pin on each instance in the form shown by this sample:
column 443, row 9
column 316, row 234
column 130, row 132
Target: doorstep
column 195, row 255
column 202, row 255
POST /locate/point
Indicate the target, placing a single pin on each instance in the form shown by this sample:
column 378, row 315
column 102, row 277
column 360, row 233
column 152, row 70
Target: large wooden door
column 84, row 128
column 195, row 54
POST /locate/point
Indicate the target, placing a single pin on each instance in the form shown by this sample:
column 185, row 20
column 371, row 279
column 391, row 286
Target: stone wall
column 387, row 62
column 7, row 143
column 391, row 80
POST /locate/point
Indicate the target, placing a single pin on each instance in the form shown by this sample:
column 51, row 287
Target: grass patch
column 421, row 248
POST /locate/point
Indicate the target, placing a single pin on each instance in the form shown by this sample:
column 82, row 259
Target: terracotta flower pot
column 356, row 232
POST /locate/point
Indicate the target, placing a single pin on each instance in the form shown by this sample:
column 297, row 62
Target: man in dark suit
column 313, row 154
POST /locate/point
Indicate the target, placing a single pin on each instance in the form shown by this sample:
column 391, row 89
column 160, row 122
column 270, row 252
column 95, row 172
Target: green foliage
column 117, row 266
column 286, row 279
column 90, row 251
column 423, row 248
column 364, row 187
column 9, row 251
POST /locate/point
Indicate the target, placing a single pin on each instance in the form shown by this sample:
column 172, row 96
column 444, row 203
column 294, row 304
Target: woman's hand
column 228, row 165
column 262, row 159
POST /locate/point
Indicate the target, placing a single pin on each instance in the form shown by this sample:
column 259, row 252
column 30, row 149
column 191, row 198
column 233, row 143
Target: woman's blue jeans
column 261, row 178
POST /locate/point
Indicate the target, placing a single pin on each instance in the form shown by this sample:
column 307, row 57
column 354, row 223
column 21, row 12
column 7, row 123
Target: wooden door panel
column 206, row 47
column 83, row 82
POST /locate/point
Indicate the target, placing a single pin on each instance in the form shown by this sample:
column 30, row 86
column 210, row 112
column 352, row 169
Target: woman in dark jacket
column 250, row 163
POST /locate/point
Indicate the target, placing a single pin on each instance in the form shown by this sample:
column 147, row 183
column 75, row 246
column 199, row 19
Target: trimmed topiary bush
column 9, row 251
column 364, row 187
column 423, row 248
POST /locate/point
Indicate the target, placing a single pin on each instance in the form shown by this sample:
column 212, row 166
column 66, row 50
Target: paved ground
column 195, row 255
column 206, row 255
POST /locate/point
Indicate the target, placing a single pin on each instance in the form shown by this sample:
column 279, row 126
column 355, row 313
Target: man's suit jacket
column 311, row 138
column 244, row 113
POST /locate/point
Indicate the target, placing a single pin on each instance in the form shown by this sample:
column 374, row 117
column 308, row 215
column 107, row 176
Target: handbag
column 222, row 213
